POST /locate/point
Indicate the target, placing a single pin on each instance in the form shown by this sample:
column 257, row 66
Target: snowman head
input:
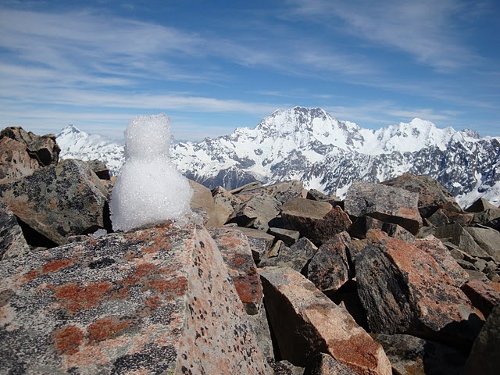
column 147, row 138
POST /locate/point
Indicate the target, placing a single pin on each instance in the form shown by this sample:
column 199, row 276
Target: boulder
column 295, row 256
column 23, row 152
column 480, row 205
column 324, row 364
column 281, row 191
column 431, row 194
column 488, row 239
column 315, row 220
column 405, row 290
column 289, row 237
column 59, row 201
column 257, row 212
column 284, row 367
column 385, row 203
column 235, row 250
column 305, row 323
column 100, row 169
column 225, row 204
column 363, row 224
column 202, row 200
column 157, row 300
column 329, row 267
column 410, row 355
column 260, row 242
column 483, row 295
column 484, row 357
column 12, row 241
column 457, row 235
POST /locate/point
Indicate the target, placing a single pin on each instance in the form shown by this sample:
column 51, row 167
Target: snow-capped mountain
column 328, row 155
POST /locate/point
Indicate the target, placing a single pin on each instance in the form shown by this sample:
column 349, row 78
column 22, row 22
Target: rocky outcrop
column 157, row 300
column 319, row 325
column 59, row 201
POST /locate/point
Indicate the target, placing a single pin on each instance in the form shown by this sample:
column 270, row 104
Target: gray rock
column 260, row 242
column 324, row 364
column 12, row 241
column 225, row 204
column 295, row 256
column 363, row 224
column 480, row 205
column 202, row 200
column 59, row 201
column 281, row 191
column 289, row 237
column 460, row 237
column 100, row 169
column 488, row 239
column 257, row 212
column 385, row 203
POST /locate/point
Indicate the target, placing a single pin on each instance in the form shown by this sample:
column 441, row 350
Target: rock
column 257, row 212
column 490, row 218
column 260, row 242
column 483, row 295
column 237, row 255
column 318, row 325
column 484, row 358
column 316, row 195
column 431, row 194
column 404, row 290
column 411, row 355
column 329, row 267
column 285, row 368
column 317, row 221
column 324, row 364
column 12, row 241
column 151, row 301
column 364, row 223
column 435, row 248
column 100, row 169
column 59, row 201
column 480, row 205
column 488, row 239
column 243, row 188
column 289, row 237
column 458, row 236
column 386, row 203
column 23, row 152
column 281, row 191
column 295, row 256
column 225, row 204
column 260, row 328
column 202, row 200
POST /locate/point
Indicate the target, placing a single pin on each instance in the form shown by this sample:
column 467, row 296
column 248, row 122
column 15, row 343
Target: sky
column 212, row 66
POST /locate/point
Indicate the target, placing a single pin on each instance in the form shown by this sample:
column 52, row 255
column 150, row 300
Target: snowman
column 149, row 189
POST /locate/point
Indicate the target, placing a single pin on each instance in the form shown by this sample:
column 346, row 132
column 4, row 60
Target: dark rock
column 364, row 223
column 318, row 325
column 324, row 364
column 329, row 267
column 260, row 242
column 289, row 237
column 410, row 355
column 257, row 212
column 100, row 169
column 480, row 205
column 235, row 250
column 150, row 301
column 385, row 203
column 458, row 236
column 285, row 368
column 488, row 239
column 317, row 221
column 404, row 290
column 431, row 194
column 483, row 295
column 484, row 358
column 295, row 256
column 59, row 201
column 12, row 241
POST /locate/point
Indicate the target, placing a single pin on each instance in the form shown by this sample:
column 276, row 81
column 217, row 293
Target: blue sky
column 212, row 66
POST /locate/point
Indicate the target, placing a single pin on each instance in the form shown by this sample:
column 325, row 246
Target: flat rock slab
column 237, row 255
column 385, row 203
column 58, row 201
column 305, row 323
column 157, row 300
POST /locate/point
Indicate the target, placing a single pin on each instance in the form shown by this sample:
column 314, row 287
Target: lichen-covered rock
column 488, row 239
column 235, row 250
column 483, row 295
column 329, row 267
column 59, row 201
column 288, row 236
column 315, row 220
column 22, row 152
column 157, row 300
column 281, row 191
column 12, row 241
column 385, row 203
column 457, row 235
column 295, row 256
column 324, row 364
column 405, row 290
column 305, row 323
column 260, row 242
column 363, row 224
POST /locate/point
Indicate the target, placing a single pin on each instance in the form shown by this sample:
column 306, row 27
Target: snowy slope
column 327, row 154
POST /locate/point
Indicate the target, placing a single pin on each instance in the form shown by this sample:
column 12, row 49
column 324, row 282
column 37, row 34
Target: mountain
column 326, row 154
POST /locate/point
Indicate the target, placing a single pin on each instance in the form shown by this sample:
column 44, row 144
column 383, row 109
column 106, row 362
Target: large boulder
column 296, row 256
column 225, row 204
column 483, row 295
column 59, row 201
column 305, row 323
column 405, row 290
column 158, row 300
column 22, row 153
column 12, row 241
column 281, row 191
column 260, row 242
column 459, row 236
column 257, row 212
column 202, row 200
column 385, row 203
column 431, row 194
column 315, row 220
column 488, row 239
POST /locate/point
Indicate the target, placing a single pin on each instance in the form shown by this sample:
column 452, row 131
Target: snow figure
column 149, row 189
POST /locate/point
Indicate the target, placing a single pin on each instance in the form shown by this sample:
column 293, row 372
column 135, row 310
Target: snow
column 149, row 189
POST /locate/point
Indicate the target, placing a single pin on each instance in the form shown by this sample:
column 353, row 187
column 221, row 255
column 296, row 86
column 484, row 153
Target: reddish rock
column 385, row 203
column 483, row 295
column 157, row 300
column 405, row 290
column 305, row 323
column 237, row 255
column 315, row 220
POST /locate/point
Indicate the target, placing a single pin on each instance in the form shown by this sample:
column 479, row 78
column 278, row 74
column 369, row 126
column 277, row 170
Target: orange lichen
column 67, row 340
column 172, row 287
column 31, row 275
column 153, row 302
column 105, row 328
column 56, row 265
column 76, row 298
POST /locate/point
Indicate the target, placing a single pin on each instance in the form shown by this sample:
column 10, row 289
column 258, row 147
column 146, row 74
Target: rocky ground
column 396, row 278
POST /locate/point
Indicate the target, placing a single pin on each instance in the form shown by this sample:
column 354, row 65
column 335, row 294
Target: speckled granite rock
column 385, row 203
column 306, row 323
column 260, row 242
column 157, row 300
column 324, row 364
column 296, row 256
column 12, row 242
column 257, row 212
column 235, row 250
column 59, row 201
